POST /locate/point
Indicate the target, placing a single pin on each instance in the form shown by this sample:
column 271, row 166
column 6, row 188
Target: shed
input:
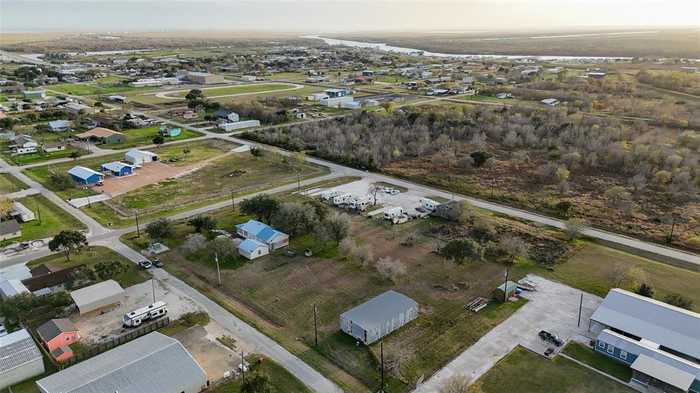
column 59, row 125
column 379, row 316
column 20, row 359
column 10, row 229
column 154, row 363
column 252, row 249
column 512, row 289
column 116, row 168
column 139, row 157
column 99, row 296
column 85, row 176
column 21, row 212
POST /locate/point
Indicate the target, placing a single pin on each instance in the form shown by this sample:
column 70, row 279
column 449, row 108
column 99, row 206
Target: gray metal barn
column 379, row 316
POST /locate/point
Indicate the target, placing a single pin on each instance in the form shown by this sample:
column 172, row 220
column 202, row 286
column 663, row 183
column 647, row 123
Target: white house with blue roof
column 658, row 341
column 85, row 176
column 252, row 249
column 263, row 233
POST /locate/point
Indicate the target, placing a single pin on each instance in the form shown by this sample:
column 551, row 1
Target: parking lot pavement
column 553, row 307
column 95, row 328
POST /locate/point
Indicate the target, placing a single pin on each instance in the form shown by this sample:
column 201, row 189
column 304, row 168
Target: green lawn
column 525, row 371
column 93, row 255
column 144, row 136
column 10, row 184
column 92, row 89
column 595, row 268
column 280, row 379
column 238, row 89
column 33, row 158
column 53, row 220
column 596, row 360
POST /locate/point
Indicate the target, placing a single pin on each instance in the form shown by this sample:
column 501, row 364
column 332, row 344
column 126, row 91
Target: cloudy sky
column 339, row 15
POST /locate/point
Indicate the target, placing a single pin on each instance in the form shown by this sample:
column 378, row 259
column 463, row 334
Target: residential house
column 117, row 169
column 45, row 280
column 20, row 359
column 151, row 363
column 100, row 296
column 252, row 249
column 57, row 335
column 658, row 341
column 86, row 176
column 102, row 135
column 139, row 157
column 227, row 115
column 10, row 229
column 379, row 316
column 263, row 233
column 76, row 107
column 24, row 144
column 59, row 125
column 21, row 213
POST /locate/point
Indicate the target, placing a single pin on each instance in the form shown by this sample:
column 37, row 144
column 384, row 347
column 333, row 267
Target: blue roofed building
column 85, row 176
column 59, row 125
column 658, row 341
column 117, row 168
column 263, row 233
column 252, row 249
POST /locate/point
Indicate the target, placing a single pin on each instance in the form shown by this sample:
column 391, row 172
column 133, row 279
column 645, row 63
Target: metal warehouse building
column 99, row 296
column 376, row 318
column 20, row 359
column 154, row 363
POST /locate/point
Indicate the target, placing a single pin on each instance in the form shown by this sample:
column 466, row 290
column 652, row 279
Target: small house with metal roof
column 85, row 176
column 263, row 233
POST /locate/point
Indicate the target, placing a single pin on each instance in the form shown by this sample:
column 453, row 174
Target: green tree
column 158, row 140
column 194, row 98
column 68, row 242
column 202, row 223
column 678, row 300
column 645, row 289
column 257, row 383
column 459, row 250
column 262, row 206
column 160, row 229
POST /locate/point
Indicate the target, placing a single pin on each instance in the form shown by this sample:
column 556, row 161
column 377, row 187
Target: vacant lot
column 10, row 184
column 50, row 220
column 238, row 89
column 280, row 379
column 144, row 136
column 524, row 371
column 102, row 86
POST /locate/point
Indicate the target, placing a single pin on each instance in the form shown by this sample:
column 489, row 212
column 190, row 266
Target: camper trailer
column 329, row 195
column 342, row 199
column 391, row 213
column 137, row 317
column 359, row 203
column 428, row 204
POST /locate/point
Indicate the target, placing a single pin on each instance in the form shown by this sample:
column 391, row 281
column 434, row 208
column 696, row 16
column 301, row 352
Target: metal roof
column 52, row 328
column 250, row 245
column 10, row 288
column 83, row 173
column 377, row 310
column 115, row 166
column 663, row 372
column 16, row 349
column 259, row 230
column 153, row 363
column 666, row 325
column 101, row 290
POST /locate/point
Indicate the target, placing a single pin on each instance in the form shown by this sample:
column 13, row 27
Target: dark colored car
column 549, row 351
column 158, row 263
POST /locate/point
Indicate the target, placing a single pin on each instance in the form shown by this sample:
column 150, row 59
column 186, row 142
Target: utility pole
column 38, row 214
column 153, row 286
column 673, row 227
column 138, row 229
column 233, row 201
column 381, row 355
column 580, row 307
column 505, row 287
column 315, row 326
column 218, row 270
column 242, row 366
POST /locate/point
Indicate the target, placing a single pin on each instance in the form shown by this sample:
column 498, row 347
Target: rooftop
column 54, row 327
column 100, row 290
column 375, row 311
column 16, row 349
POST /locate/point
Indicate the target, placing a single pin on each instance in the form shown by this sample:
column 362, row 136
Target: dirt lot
column 97, row 327
column 147, row 174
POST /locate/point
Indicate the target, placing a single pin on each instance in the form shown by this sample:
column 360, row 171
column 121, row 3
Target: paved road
column 554, row 307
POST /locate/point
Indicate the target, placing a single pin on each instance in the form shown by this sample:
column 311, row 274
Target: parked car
column 551, row 338
column 145, row 264
column 157, row 262
column 549, row 351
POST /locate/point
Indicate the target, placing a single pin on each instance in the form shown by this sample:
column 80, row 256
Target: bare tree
column 456, row 384
column 573, row 227
column 391, row 269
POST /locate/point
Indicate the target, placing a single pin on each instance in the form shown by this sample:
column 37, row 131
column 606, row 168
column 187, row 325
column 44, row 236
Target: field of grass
column 303, row 93
column 10, row 184
column 598, row 361
column 91, row 256
column 144, row 136
column 335, row 284
column 110, row 86
column 525, row 371
column 237, row 89
column 595, row 268
column 33, row 158
column 53, row 220
column 280, row 379
column 198, row 151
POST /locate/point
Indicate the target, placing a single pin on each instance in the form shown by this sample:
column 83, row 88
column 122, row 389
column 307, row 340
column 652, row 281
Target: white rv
column 329, row 195
column 390, row 213
column 341, row 199
column 428, row 204
column 359, row 203
column 137, row 317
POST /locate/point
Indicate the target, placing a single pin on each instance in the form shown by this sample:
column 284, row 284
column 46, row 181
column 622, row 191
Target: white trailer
column 428, row 204
column 329, row 195
column 393, row 212
column 137, row 317
column 341, row 199
column 359, row 203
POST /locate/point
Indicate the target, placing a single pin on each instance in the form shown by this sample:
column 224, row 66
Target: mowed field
column 334, row 284
column 144, row 136
column 51, row 220
column 525, row 371
column 10, row 184
column 177, row 94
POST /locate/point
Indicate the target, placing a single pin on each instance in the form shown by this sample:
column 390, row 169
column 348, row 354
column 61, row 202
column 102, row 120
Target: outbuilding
column 252, row 249
column 57, row 335
column 20, row 358
column 99, row 296
column 117, row 168
column 11, row 288
column 85, row 176
column 508, row 288
column 21, row 212
column 379, row 316
column 149, row 364
column 139, row 157
column 10, row 229
column 59, row 125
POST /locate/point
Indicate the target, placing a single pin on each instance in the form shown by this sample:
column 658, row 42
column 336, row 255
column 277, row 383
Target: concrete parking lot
column 553, row 307
column 98, row 327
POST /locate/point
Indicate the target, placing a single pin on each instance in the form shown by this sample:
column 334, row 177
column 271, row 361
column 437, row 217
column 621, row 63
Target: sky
column 318, row 16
